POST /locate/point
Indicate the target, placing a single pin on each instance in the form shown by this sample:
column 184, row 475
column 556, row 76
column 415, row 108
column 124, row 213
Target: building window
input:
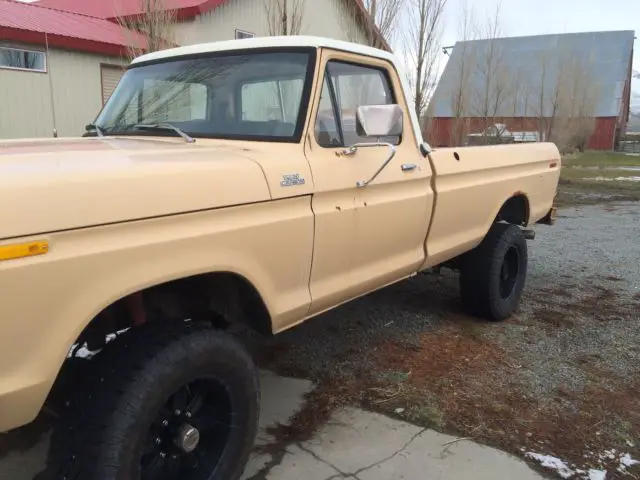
column 20, row 59
column 243, row 34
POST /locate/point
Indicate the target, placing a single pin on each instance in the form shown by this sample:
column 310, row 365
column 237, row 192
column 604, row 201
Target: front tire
column 175, row 401
column 493, row 275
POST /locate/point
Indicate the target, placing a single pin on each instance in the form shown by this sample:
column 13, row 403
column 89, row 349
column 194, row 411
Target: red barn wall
column 439, row 132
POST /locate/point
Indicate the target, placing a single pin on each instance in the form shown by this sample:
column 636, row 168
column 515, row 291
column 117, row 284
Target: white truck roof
column 293, row 41
column 265, row 42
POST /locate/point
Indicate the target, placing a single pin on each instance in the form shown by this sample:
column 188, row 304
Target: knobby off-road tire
column 493, row 275
column 177, row 401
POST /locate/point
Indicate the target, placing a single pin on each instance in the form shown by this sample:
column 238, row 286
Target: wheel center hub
column 188, row 438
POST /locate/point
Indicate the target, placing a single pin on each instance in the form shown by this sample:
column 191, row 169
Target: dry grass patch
column 470, row 386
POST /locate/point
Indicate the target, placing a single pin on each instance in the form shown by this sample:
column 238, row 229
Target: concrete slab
column 282, row 398
column 354, row 439
column 300, row 464
column 24, row 465
column 368, row 446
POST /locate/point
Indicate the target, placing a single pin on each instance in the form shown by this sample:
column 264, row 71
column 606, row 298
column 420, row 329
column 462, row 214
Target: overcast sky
column 535, row 17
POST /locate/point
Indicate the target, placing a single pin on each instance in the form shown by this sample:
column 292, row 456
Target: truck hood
column 58, row 184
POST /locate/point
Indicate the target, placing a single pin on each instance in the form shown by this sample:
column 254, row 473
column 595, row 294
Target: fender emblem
column 291, row 180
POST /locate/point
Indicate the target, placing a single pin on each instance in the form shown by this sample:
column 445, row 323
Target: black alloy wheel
column 188, row 437
column 509, row 272
column 161, row 402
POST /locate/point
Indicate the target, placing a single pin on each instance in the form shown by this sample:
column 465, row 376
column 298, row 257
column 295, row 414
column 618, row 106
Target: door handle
column 347, row 152
column 408, row 166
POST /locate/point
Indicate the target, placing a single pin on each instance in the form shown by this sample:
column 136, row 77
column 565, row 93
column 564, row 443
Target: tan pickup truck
column 261, row 181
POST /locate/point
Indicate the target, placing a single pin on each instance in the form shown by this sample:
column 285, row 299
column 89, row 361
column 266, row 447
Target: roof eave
column 63, row 42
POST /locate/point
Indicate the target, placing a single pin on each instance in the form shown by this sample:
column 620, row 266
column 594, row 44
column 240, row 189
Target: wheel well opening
column 219, row 298
column 515, row 211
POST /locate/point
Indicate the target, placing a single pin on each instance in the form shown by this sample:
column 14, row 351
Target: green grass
column 595, row 158
column 427, row 413
column 580, row 185
column 576, row 174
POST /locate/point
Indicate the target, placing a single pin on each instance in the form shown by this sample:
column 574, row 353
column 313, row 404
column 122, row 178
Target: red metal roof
column 22, row 22
column 111, row 9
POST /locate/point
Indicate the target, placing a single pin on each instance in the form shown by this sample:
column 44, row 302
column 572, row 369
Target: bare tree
column 154, row 24
column 573, row 120
column 636, row 74
column 565, row 96
column 494, row 81
column 284, row 17
column 424, row 46
column 539, row 92
column 378, row 22
column 461, row 68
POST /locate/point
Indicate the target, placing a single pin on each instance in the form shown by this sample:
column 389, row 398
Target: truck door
column 368, row 236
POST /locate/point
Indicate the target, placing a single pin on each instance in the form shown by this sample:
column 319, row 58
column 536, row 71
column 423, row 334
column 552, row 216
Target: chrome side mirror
column 379, row 120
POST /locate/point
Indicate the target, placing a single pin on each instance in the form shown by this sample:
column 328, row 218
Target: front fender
column 47, row 301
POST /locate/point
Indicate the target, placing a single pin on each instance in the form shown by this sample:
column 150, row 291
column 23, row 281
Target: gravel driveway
column 561, row 378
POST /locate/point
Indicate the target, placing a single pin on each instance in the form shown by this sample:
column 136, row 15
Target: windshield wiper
column 166, row 126
column 97, row 128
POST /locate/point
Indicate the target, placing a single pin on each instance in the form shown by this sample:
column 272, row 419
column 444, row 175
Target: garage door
column 111, row 75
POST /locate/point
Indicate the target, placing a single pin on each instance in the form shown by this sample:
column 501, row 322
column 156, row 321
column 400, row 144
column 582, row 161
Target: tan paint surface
column 471, row 191
column 123, row 214
column 355, row 251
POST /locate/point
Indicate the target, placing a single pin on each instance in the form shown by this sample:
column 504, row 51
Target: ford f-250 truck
column 261, row 181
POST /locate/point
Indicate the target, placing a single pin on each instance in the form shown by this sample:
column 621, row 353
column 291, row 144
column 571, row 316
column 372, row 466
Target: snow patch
column 614, row 179
column 597, row 474
column 83, row 352
column 626, row 461
column 563, row 469
column 553, row 463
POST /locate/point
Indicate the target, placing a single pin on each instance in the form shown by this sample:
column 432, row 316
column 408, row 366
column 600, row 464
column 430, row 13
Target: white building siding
column 331, row 18
column 326, row 18
column 25, row 104
column 25, row 96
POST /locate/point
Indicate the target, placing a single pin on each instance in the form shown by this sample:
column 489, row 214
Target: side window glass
column 326, row 128
column 357, row 85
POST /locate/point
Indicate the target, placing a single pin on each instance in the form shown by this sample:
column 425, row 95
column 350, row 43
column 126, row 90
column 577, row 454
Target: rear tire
column 493, row 275
column 178, row 400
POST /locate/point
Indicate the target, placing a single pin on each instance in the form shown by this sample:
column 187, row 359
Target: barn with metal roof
column 61, row 59
column 535, row 86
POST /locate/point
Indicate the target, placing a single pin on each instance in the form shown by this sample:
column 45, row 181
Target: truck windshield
column 253, row 96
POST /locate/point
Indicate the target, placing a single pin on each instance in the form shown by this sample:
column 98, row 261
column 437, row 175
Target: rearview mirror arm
column 353, row 149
